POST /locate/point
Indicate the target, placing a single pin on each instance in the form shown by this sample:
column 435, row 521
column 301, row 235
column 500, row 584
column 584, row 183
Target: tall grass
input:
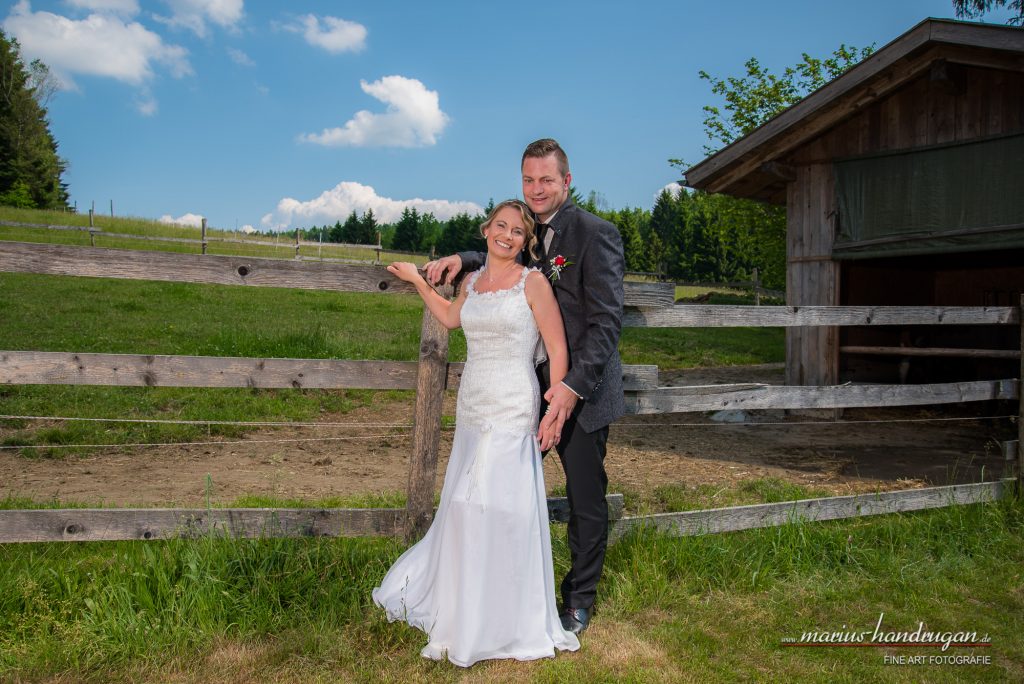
column 711, row 608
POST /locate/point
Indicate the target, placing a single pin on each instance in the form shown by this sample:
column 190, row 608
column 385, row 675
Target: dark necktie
column 542, row 232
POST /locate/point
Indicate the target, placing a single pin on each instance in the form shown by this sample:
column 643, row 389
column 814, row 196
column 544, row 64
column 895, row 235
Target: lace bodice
column 499, row 388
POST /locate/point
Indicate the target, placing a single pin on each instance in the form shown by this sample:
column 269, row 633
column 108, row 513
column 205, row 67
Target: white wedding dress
column 481, row 583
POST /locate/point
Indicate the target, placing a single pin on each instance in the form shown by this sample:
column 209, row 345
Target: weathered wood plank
column 141, row 370
column 758, row 396
column 656, row 295
column 131, row 370
column 833, row 508
column 709, row 316
column 22, row 257
column 112, row 524
column 426, row 432
column 932, row 351
column 30, row 257
column 125, row 524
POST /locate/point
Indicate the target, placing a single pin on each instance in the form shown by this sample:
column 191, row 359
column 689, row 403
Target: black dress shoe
column 575, row 620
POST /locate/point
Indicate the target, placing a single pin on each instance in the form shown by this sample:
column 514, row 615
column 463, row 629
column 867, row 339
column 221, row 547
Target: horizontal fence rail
column 140, row 370
column 716, row 315
column 737, row 518
column 760, row 396
column 29, row 257
column 127, row 524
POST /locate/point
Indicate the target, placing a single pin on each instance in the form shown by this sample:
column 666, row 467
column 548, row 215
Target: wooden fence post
column 91, row 212
column 430, row 382
column 1020, row 407
column 298, row 236
column 757, row 288
column 203, row 236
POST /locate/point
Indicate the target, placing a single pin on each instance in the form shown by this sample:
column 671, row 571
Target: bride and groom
column 480, row 582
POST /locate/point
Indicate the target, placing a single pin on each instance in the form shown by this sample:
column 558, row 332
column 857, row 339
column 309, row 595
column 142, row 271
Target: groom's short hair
column 545, row 147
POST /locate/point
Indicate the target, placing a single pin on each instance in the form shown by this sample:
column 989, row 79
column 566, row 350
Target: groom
column 582, row 256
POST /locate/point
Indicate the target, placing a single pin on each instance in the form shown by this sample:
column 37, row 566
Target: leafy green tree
column 431, row 230
column 630, row 222
column 29, row 164
column 753, row 99
column 974, row 9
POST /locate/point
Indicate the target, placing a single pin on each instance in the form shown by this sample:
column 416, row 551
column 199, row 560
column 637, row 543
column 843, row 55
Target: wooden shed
column 903, row 181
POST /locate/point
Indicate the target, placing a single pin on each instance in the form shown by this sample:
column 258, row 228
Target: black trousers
column 586, row 483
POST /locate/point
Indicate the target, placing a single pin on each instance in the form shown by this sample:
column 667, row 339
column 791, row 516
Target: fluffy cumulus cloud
column 195, row 14
column 344, row 198
column 102, row 44
column 183, row 220
column 330, row 33
column 413, row 118
column 673, row 189
column 127, row 7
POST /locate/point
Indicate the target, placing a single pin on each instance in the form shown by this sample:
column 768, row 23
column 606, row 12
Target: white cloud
column 247, row 229
column 240, row 58
column 330, row 33
column 126, row 7
column 413, row 118
column 147, row 105
column 99, row 45
column 194, row 14
column 673, row 188
column 344, row 198
column 184, row 220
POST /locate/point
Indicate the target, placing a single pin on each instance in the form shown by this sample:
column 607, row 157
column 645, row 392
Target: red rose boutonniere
column 557, row 264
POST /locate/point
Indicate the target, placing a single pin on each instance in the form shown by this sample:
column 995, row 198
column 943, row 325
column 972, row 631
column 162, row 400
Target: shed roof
column 750, row 166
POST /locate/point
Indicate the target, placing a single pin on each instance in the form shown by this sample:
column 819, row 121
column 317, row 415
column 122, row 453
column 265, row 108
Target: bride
column 480, row 583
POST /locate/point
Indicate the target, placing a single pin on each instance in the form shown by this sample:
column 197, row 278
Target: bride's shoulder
column 536, row 282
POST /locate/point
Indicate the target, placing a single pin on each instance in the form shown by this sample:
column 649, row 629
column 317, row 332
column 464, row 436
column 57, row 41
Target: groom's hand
column 561, row 401
column 436, row 269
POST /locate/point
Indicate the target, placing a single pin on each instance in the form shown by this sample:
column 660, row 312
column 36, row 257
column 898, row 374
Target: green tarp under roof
column 940, row 200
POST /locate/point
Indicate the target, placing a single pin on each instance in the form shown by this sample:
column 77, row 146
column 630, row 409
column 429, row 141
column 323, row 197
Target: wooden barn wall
column 812, row 278
column 948, row 104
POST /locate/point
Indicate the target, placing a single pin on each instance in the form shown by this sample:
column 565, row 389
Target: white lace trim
column 520, row 285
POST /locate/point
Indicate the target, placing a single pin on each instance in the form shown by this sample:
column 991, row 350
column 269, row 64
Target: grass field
column 58, row 313
column 709, row 609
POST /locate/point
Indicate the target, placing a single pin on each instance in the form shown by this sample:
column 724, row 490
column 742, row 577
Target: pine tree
column 367, row 230
column 407, row 231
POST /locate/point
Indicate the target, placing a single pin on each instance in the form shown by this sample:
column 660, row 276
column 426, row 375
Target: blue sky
column 277, row 114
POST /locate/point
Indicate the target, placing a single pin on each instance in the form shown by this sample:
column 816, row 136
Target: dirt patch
column 860, row 452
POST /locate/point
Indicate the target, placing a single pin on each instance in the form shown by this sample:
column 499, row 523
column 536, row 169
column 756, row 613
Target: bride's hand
column 405, row 271
column 549, row 432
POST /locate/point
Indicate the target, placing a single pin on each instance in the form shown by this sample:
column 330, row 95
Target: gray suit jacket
column 590, row 294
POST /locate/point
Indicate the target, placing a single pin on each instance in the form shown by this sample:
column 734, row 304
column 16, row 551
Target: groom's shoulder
column 592, row 221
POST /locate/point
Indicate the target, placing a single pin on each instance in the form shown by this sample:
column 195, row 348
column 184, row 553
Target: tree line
column 30, row 169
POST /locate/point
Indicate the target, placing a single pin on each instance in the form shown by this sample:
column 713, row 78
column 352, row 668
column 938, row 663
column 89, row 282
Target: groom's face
column 544, row 187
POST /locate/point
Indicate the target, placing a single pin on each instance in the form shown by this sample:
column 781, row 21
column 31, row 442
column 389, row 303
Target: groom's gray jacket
column 589, row 293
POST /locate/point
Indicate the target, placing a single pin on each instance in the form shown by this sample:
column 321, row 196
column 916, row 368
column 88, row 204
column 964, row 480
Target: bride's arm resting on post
column 446, row 312
column 552, row 331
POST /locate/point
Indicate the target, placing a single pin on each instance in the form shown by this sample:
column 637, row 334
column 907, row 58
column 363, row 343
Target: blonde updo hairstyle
column 528, row 223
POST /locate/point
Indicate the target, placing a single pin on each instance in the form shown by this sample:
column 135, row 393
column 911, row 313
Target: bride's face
column 506, row 234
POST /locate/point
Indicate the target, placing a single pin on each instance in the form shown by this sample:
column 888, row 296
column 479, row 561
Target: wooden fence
column 648, row 305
